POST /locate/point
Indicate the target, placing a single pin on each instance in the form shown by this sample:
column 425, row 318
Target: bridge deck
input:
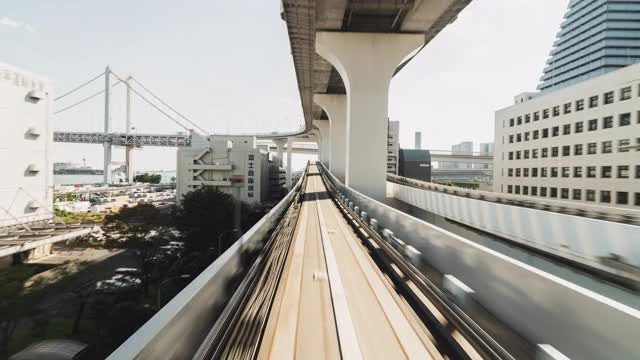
column 332, row 300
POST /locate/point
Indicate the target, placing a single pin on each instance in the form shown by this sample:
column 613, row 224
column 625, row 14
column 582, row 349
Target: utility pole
column 129, row 148
column 107, row 126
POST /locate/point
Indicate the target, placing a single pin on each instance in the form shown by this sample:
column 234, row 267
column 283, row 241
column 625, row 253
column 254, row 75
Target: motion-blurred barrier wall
column 179, row 328
column 543, row 308
column 577, row 238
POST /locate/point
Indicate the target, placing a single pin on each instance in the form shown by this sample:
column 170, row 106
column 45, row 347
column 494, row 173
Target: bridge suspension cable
column 169, row 106
column 150, row 102
column 80, row 86
column 85, row 99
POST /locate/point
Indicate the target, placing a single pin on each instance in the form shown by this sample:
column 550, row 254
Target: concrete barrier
column 541, row 307
column 178, row 329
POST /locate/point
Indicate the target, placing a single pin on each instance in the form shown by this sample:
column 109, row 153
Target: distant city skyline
column 188, row 57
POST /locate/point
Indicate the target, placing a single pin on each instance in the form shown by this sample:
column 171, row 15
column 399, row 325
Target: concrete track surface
column 332, row 300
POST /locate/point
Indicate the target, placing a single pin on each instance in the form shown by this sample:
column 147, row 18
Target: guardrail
column 608, row 213
column 541, row 307
column 179, row 328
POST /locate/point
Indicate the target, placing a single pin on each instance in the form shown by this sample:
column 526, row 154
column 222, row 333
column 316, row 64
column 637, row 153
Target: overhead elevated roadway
column 345, row 54
column 332, row 273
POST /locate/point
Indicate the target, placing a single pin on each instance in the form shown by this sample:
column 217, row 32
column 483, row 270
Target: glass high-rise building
column 595, row 37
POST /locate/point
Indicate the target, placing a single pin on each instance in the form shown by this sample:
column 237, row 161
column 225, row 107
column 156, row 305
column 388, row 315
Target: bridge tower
column 107, row 126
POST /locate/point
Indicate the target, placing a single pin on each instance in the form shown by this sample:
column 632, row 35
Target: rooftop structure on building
column 595, row 37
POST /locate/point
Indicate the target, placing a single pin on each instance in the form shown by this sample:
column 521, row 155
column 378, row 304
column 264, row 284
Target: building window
column 545, row 113
column 624, row 119
column 605, row 172
column 518, row 155
column 577, row 149
column 622, row 197
column 554, row 151
column 553, row 192
column 565, row 171
column 250, row 194
column 637, row 171
column 525, row 190
column 556, row 111
column 593, row 101
column 527, row 118
column 526, row 136
column 579, row 127
column 623, row 145
column 510, row 139
column 543, row 191
column 577, row 194
column 517, row 189
column 566, row 129
column 518, row 172
column 605, row 196
column 534, row 172
column 545, row 133
column 251, row 157
column 536, row 116
column 577, row 171
column 250, row 173
column 536, row 134
column 592, row 148
column 526, row 154
column 623, row 171
column 591, row 195
column 555, row 131
column 607, row 122
column 566, row 150
column 625, row 93
column 250, row 187
column 510, row 189
column 608, row 98
column 510, row 172
column 606, row 147
column 545, row 152
column 534, row 153
column 593, row 125
column 525, row 172
column 591, row 171
column 250, row 181
column 519, row 120
column 510, row 155
column 579, row 105
column 511, row 122
column 534, row 191
column 519, row 138
column 554, row 172
column 637, row 202
column 567, row 108
column 544, row 172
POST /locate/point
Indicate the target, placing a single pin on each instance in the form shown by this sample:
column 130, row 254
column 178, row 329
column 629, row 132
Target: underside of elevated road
column 306, row 17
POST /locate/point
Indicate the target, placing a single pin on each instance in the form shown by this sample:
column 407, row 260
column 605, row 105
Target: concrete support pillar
column 129, row 149
column 289, row 148
column 324, row 142
column 106, row 178
column 366, row 62
column 335, row 105
column 280, row 150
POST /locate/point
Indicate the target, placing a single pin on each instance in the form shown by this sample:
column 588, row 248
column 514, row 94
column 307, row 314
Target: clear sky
column 227, row 66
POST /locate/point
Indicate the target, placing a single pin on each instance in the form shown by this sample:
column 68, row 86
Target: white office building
column 232, row 164
column 393, row 147
column 580, row 143
column 26, row 183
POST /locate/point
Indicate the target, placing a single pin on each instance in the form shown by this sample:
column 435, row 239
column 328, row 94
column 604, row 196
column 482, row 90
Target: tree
column 148, row 178
column 207, row 213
